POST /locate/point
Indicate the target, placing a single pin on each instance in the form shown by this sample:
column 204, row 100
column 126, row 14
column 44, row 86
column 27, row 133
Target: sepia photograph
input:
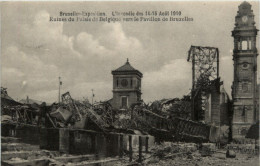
column 130, row 83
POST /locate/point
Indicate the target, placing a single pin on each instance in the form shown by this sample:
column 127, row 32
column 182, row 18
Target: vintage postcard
column 130, row 83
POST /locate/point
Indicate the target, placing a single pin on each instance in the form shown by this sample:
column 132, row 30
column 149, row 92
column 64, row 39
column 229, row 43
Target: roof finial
column 127, row 60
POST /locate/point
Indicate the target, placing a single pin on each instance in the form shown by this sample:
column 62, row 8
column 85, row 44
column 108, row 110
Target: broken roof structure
column 127, row 68
column 7, row 100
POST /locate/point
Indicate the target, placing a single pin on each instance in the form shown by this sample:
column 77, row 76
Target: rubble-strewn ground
column 195, row 159
column 189, row 154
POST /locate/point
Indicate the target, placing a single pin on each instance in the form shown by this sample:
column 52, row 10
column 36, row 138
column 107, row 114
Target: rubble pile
column 167, row 149
column 191, row 154
column 195, row 159
column 183, row 154
column 173, row 107
column 20, row 113
column 208, row 149
column 246, row 148
column 69, row 114
column 157, row 119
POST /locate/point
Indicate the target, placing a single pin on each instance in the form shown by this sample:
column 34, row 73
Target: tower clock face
column 244, row 19
column 124, row 82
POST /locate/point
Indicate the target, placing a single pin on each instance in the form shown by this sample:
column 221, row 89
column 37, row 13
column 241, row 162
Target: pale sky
column 35, row 52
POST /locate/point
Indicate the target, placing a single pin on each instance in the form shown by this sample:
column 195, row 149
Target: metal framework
column 205, row 68
column 205, row 62
column 79, row 110
column 67, row 100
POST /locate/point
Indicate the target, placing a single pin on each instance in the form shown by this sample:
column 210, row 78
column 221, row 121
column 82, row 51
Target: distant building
column 126, row 86
column 30, row 101
column 244, row 88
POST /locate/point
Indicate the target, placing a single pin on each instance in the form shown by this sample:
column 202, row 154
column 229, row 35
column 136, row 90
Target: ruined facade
column 244, row 89
column 217, row 106
column 213, row 105
column 205, row 69
column 126, row 86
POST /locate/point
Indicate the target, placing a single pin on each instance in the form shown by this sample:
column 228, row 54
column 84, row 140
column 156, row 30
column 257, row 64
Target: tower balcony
column 245, row 52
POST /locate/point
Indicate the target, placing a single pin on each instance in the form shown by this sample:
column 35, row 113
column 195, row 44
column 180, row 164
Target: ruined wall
column 64, row 135
column 224, row 114
column 27, row 133
column 81, row 142
column 215, row 106
column 49, row 138
column 66, row 140
column 8, row 129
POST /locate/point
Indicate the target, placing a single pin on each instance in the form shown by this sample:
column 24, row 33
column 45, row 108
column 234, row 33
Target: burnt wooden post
column 140, row 149
column 121, row 146
column 130, row 148
column 31, row 117
column 12, row 114
column 146, row 144
column 96, row 145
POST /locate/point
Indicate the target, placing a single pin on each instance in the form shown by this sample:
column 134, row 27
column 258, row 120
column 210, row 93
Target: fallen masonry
column 77, row 133
column 191, row 154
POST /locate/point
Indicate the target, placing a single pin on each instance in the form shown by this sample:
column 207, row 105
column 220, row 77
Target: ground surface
column 215, row 160
column 195, row 159
column 15, row 152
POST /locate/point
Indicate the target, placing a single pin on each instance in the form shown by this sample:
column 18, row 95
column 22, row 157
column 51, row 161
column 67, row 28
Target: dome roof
column 127, row 68
column 245, row 3
column 245, row 8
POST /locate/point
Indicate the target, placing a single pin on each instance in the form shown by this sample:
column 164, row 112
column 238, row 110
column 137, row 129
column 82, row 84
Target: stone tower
column 126, row 86
column 244, row 88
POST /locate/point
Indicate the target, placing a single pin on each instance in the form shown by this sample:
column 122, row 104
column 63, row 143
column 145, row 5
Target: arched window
column 244, row 45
